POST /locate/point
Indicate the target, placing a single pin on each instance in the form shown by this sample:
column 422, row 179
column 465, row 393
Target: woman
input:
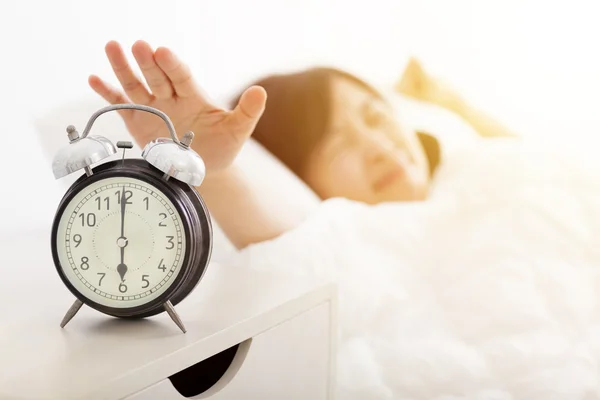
column 331, row 129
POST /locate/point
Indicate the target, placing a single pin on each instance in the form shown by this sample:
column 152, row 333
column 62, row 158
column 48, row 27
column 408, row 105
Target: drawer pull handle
column 212, row 374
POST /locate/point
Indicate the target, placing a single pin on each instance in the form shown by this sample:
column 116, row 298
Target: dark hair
column 297, row 113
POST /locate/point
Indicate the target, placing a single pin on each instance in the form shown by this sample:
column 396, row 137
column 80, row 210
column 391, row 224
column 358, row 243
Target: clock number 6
column 122, row 287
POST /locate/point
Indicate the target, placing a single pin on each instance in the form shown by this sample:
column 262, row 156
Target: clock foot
column 71, row 313
column 174, row 316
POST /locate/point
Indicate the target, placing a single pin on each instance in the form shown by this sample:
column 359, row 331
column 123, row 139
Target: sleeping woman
column 332, row 130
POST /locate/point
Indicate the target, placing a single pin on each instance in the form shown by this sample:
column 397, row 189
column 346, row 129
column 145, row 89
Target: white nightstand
column 250, row 335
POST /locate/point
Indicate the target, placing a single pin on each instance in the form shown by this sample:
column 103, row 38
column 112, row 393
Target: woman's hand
column 219, row 134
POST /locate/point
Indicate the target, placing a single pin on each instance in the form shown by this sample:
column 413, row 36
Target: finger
column 133, row 87
column 157, row 80
column 178, row 73
column 245, row 115
column 108, row 93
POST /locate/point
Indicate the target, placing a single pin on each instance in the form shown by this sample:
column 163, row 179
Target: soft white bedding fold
column 489, row 290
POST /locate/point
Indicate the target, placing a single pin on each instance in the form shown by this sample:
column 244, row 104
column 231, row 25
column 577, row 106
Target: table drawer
column 293, row 360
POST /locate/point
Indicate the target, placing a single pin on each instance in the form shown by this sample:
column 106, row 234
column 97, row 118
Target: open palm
column 170, row 88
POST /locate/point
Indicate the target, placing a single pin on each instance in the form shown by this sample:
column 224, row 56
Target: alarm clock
column 131, row 237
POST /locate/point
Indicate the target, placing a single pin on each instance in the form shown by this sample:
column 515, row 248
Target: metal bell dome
column 81, row 153
column 176, row 159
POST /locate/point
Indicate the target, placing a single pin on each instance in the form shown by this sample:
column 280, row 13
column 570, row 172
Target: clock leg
column 174, row 316
column 71, row 313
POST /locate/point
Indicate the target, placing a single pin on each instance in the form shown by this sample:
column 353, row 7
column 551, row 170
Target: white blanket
column 489, row 290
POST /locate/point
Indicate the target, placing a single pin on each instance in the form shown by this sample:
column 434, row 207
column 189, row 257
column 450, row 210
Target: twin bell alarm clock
column 131, row 237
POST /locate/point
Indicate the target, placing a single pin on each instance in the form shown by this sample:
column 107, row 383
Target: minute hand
column 122, row 268
column 123, row 204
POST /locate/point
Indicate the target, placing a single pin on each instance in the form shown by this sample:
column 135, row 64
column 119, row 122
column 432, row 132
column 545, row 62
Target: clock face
column 121, row 259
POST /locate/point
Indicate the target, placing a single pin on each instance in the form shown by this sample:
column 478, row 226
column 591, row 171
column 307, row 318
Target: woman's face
column 365, row 155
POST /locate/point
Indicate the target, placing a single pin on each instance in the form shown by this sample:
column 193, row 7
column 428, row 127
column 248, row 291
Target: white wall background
column 532, row 63
column 535, row 63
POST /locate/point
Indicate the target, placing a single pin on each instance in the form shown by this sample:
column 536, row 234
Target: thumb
column 248, row 111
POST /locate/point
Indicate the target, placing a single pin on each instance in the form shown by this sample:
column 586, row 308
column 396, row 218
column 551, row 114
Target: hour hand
column 122, row 268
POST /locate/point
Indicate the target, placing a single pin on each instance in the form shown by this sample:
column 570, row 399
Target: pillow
column 259, row 163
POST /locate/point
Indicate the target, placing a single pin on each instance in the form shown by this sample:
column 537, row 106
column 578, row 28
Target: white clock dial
column 90, row 242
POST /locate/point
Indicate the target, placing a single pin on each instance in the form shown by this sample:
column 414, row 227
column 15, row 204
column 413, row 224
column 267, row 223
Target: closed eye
column 375, row 114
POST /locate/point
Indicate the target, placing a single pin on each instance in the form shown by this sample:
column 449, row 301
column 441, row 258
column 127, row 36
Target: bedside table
column 250, row 335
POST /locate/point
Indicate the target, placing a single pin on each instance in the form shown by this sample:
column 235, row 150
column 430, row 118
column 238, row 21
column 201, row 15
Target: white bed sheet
column 489, row 290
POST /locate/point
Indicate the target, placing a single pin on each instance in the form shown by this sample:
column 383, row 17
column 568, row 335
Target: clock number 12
column 128, row 195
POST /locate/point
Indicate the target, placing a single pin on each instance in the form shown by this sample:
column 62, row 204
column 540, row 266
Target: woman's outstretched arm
column 246, row 214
